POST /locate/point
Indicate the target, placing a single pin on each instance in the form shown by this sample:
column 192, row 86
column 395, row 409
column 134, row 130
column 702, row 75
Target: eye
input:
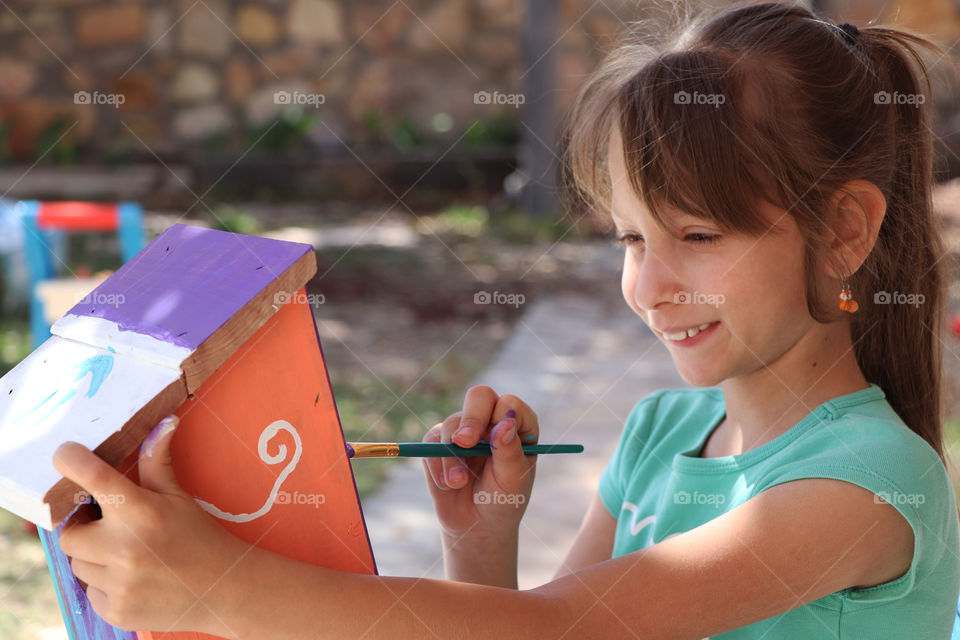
column 702, row 238
column 623, row 240
column 629, row 239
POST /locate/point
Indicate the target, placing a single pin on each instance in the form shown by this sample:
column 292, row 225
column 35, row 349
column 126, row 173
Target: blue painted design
column 99, row 367
column 79, row 617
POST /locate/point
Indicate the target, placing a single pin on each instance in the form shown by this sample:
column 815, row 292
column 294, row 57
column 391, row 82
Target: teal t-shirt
column 657, row 486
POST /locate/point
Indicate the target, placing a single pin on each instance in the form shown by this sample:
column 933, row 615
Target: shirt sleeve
column 632, row 442
column 907, row 474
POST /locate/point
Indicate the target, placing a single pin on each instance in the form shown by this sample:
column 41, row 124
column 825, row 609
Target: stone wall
column 161, row 76
column 114, row 79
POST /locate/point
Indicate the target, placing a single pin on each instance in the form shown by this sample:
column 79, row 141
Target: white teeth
column 689, row 333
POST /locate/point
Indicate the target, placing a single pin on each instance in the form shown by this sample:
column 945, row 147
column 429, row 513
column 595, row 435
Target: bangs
column 685, row 121
column 686, row 145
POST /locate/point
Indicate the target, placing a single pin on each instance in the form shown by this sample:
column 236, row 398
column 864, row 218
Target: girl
column 760, row 165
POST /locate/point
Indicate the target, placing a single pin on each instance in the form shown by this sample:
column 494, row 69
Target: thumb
column 154, row 464
column 510, row 466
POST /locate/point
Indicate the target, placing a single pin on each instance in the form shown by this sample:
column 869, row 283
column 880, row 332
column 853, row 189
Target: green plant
column 227, row 218
column 15, row 342
column 519, row 227
column 372, row 121
column 403, row 134
column 217, row 141
column 53, row 143
column 513, row 225
column 500, row 130
column 290, row 130
column 119, row 154
column 465, row 220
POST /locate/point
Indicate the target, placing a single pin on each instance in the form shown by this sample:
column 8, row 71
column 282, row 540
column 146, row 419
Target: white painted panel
column 65, row 390
column 106, row 334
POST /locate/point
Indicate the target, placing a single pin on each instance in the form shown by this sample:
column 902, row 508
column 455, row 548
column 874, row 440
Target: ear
column 854, row 214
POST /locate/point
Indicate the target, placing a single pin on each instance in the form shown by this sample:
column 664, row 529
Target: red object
column 78, row 216
column 955, row 324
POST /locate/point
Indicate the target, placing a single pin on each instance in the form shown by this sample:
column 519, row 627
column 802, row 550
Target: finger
column 454, row 473
column 433, row 467
column 109, row 487
column 510, row 465
column 88, row 542
column 476, row 415
column 98, row 600
column 89, row 573
column 154, row 464
column 528, row 426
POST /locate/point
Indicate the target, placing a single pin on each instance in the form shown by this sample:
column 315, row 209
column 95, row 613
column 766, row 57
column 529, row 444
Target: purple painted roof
column 188, row 282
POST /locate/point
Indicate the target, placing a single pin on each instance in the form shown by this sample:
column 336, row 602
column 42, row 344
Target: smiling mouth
column 677, row 336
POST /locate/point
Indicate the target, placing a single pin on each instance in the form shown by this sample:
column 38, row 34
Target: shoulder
column 878, row 452
column 674, row 406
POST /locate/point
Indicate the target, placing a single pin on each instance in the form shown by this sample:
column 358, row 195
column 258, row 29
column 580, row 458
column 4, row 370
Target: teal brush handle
column 444, row 449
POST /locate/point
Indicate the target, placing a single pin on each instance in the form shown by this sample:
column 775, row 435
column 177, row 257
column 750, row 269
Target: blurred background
column 413, row 143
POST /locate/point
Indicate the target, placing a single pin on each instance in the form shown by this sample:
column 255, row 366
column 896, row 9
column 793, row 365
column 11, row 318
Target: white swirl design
column 265, row 437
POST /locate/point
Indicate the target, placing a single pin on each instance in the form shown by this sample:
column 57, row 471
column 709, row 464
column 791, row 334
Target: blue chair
column 44, row 221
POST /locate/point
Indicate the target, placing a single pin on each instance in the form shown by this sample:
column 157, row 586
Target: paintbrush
column 443, row 449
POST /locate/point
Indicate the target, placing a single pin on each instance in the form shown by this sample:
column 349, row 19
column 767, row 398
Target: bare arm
column 156, row 560
column 736, row 569
column 487, row 560
column 594, row 541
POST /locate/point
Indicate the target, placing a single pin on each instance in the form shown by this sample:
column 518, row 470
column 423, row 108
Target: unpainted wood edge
column 217, row 349
column 61, row 497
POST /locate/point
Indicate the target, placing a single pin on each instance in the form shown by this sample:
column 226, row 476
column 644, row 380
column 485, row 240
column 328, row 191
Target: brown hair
column 806, row 108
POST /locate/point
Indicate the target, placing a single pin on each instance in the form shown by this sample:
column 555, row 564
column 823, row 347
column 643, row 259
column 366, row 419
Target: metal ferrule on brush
column 375, row 449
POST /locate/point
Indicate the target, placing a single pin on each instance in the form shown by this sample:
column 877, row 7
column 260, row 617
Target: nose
column 649, row 281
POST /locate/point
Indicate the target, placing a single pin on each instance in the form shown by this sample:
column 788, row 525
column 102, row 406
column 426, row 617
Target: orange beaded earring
column 847, row 303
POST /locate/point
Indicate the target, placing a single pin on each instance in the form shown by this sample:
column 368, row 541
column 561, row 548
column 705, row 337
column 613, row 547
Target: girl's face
column 751, row 288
